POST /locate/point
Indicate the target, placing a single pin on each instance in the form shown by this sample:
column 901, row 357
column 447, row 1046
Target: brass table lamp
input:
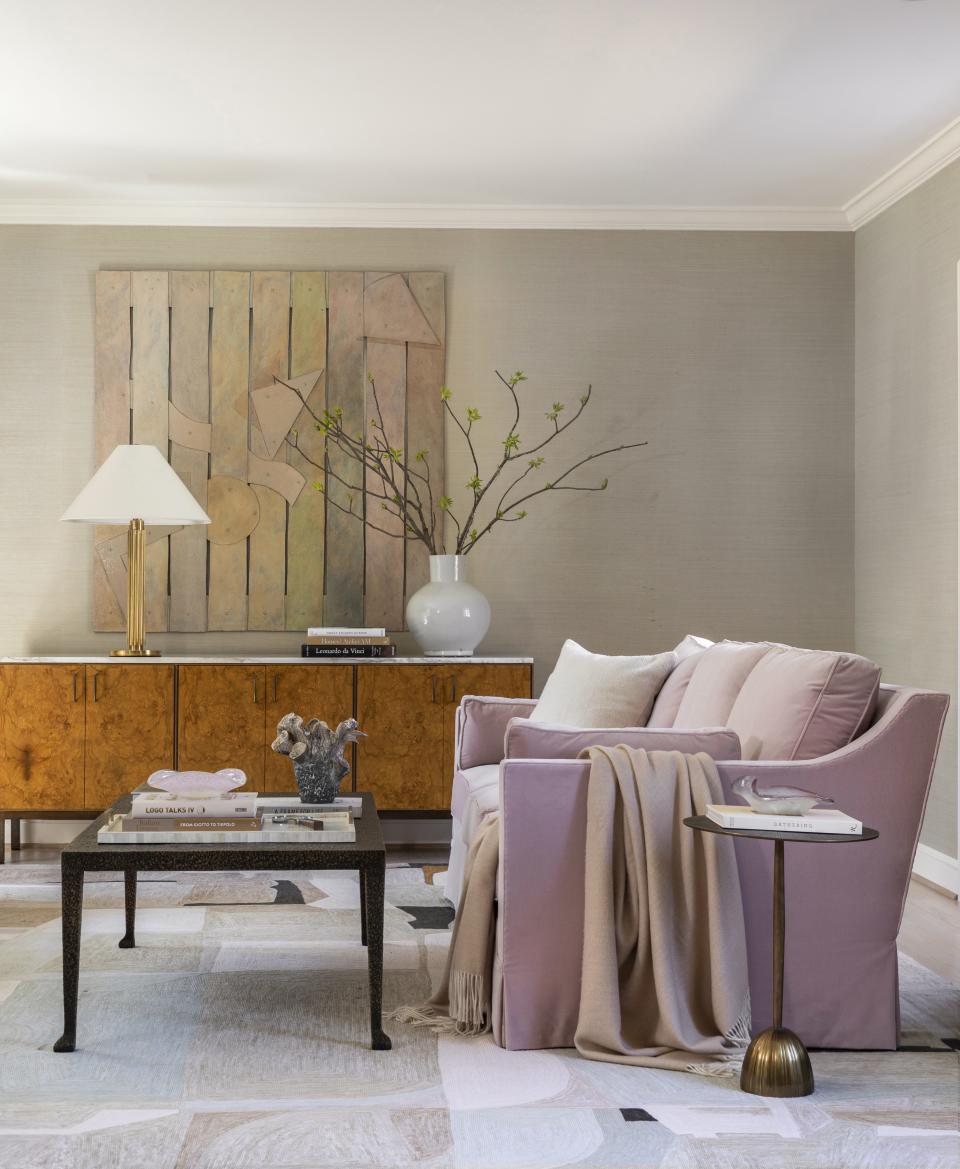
column 136, row 486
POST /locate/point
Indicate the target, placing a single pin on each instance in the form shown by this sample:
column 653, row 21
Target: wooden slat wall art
column 201, row 364
column 189, row 440
column 346, row 391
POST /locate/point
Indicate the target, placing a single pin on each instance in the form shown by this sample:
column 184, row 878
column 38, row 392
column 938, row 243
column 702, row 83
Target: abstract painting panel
column 225, row 373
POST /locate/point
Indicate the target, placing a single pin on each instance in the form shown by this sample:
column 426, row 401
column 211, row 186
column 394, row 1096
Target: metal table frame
column 366, row 854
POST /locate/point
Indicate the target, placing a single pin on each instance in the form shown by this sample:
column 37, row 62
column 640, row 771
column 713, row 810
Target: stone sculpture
column 317, row 754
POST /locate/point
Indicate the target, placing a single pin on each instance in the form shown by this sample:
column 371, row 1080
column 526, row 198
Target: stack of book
column 163, row 812
column 823, row 820
column 232, row 817
column 338, row 642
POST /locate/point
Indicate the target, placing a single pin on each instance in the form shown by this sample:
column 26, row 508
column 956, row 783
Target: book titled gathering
column 334, row 642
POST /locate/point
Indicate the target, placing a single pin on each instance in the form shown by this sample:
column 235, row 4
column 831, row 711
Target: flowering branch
column 407, row 492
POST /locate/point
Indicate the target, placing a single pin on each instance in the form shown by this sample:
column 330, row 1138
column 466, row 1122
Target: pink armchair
column 844, row 903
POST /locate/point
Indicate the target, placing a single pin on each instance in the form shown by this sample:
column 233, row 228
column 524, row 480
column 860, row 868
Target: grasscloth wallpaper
column 730, row 353
column 906, row 444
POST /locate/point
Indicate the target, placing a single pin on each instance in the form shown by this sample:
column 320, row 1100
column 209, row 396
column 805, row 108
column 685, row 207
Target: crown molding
column 936, row 153
column 481, row 216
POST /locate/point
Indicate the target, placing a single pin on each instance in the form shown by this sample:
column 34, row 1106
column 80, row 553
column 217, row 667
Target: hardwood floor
column 930, row 932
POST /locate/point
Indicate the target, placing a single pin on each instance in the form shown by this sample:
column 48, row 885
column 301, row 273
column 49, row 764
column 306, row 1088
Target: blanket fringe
column 739, row 1033
column 467, row 1015
column 737, row 1038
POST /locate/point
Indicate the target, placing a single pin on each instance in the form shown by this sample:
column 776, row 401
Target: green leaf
column 603, row 485
column 421, row 455
column 444, row 502
column 518, row 377
column 521, row 515
column 473, row 533
column 318, row 486
column 511, row 442
column 395, row 453
column 473, row 414
column 475, row 483
column 537, row 462
column 445, row 393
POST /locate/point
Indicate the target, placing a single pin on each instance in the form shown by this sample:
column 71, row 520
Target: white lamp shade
column 136, row 483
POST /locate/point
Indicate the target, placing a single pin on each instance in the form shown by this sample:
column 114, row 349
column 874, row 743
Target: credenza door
column 129, row 728
column 312, row 691
column 401, row 710
column 221, row 720
column 41, row 736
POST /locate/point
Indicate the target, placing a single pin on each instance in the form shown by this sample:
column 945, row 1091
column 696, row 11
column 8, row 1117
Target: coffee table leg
column 128, row 941
column 363, row 907
column 372, row 876
column 72, row 909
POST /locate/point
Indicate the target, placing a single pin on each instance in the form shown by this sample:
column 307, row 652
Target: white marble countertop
column 174, row 659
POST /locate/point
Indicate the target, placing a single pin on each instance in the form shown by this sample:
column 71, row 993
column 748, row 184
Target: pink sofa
column 844, row 902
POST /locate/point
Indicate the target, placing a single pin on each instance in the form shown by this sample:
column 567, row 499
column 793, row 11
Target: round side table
column 777, row 1063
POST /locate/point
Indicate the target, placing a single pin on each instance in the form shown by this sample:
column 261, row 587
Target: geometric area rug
column 235, row 1037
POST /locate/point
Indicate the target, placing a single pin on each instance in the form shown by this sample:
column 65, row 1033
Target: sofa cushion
column 480, row 726
column 470, row 781
column 667, row 702
column 594, row 690
column 804, row 703
column 718, row 675
column 527, row 740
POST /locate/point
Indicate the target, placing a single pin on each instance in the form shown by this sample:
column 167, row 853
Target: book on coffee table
column 287, row 827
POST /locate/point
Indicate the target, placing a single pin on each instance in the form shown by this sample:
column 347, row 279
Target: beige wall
column 906, row 457
column 730, row 352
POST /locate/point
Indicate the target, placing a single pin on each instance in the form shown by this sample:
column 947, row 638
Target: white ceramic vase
column 448, row 617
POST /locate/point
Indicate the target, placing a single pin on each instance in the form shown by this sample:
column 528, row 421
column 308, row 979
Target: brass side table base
column 776, row 1064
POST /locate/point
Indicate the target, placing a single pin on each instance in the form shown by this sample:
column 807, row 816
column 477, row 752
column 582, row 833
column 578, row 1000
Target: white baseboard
column 938, row 868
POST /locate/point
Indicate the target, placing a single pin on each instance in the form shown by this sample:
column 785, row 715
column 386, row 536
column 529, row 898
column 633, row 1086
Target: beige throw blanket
column 664, row 971
column 461, row 1003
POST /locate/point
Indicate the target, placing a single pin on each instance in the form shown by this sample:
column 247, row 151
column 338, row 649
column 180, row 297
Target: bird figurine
column 777, row 800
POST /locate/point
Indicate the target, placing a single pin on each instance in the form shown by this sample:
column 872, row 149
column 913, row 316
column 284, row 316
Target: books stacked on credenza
column 825, row 821
column 231, row 818
column 346, row 642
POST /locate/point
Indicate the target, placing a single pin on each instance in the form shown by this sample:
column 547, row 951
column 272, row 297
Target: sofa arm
column 480, row 726
column 527, row 740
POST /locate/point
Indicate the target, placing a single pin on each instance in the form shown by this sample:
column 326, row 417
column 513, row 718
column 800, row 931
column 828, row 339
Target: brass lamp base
column 136, row 622
column 777, row 1064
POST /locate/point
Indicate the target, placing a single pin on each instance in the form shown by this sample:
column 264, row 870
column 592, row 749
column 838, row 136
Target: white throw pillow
column 593, row 690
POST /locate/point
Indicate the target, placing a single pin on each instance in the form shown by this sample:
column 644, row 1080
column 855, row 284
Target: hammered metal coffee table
column 366, row 854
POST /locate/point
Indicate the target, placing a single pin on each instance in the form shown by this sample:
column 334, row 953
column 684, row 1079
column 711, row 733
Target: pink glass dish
column 198, row 784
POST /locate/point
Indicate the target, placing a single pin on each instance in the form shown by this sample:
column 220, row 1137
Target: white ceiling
column 591, row 103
